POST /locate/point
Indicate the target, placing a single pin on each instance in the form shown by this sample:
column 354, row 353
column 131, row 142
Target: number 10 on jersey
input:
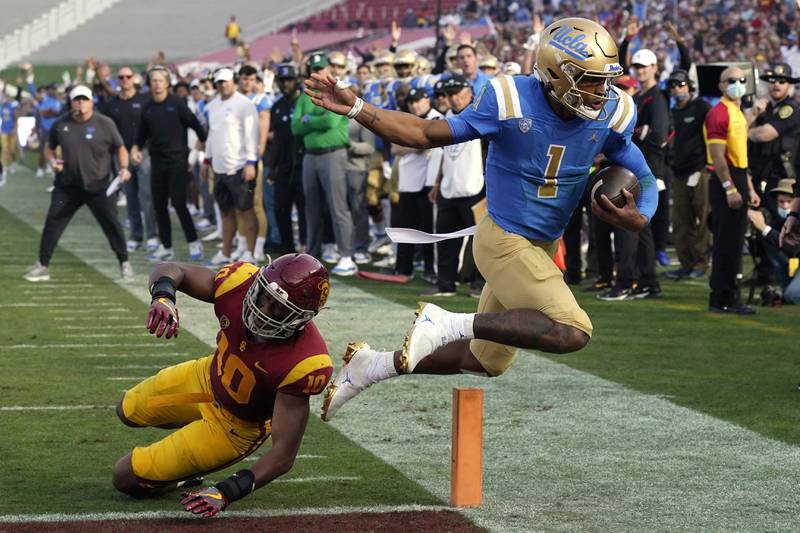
column 555, row 153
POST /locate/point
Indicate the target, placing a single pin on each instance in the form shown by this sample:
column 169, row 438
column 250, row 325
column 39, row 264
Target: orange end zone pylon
column 466, row 474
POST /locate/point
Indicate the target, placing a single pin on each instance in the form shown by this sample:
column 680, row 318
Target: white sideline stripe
column 90, row 328
column 315, row 479
column 126, row 367
column 105, row 318
column 122, row 356
column 249, row 513
column 128, row 378
column 77, row 298
column 105, row 335
column 51, row 286
column 53, row 407
column 253, row 459
column 89, row 311
column 104, row 306
column 46, row 346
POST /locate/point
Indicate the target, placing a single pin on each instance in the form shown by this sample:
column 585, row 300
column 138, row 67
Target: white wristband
column 356, row 109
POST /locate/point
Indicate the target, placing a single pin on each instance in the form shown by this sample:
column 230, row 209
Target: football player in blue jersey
column 543, row 133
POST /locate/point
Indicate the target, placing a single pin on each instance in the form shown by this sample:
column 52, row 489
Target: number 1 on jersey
column 555, row 153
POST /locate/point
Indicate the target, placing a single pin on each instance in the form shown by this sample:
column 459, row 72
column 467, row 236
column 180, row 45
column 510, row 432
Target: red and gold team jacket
column 246, row 376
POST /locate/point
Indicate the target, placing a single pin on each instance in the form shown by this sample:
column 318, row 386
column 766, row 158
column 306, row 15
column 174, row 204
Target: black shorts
column 231, row 191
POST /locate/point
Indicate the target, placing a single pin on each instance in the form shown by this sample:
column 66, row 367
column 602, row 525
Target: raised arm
column 395, row 126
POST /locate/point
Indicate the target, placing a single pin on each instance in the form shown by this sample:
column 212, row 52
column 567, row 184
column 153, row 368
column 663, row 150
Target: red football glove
column 207, row 502
column 163, row 318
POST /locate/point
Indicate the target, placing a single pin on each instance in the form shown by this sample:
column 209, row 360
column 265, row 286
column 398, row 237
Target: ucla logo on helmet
column 525, row 125
column 573, row 44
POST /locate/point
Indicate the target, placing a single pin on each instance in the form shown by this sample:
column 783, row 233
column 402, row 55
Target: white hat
column 644, row 57
column 223, row 74
column 80, row 90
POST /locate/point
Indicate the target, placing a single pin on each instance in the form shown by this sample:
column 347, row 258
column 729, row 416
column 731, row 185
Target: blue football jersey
column 538, row 163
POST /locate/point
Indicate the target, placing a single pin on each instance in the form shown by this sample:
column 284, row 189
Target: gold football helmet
column 405, row 57
column 337, row 58
column 572, row 51
column 488, row 61
column 423, row 65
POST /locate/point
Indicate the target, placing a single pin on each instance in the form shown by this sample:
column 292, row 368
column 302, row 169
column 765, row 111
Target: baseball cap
column 318, row 60
column 195, row 83
column 415, row 94
column 223, row 74
column 785, row 186
column 80, row 90
column 626, row 82
column 644, row 57
column 455, row 83
column 438, row 88
column 678, row 75
column 286, row 70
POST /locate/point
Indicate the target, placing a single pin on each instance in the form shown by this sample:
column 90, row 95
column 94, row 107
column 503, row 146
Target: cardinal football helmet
column 570, row 50
column 299, row 283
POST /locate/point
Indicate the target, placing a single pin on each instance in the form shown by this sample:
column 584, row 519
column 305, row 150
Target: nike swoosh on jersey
column 211, row 495
column 258, row 366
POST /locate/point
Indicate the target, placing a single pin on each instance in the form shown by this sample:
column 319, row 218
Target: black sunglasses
column 125, row 76
column 676, row 84
column 782, row 81
column 741, row 80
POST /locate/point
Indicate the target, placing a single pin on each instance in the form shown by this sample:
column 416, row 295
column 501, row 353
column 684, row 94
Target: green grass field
column 671, row 419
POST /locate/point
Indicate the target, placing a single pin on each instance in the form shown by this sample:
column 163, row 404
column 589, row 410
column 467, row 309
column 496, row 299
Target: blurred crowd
column 329, row 187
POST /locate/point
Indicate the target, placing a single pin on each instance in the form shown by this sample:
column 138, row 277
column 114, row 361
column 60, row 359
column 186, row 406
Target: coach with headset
column 687, row 159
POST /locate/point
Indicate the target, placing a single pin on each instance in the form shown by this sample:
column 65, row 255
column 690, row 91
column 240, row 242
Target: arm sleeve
column 685, row 56
column 298, row 128
column 251, row 132
column 784, row 125
column 52, row 138
column 144, row 130
column 366, row 145
column 479, row 119
column 190, row 120
column 716, row 125
column 621, row 151
column 658, row 117
column 623, row 54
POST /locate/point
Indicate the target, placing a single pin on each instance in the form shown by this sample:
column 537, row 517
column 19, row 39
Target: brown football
column 610, row 181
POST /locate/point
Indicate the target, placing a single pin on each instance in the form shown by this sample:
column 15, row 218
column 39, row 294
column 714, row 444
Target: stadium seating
column 14, row 15
column 370, row 15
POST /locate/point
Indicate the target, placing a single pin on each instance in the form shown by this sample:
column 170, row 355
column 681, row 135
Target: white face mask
column 783, row 213
column 736, row 90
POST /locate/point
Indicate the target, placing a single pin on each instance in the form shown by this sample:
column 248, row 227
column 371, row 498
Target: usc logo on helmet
column 324, row 290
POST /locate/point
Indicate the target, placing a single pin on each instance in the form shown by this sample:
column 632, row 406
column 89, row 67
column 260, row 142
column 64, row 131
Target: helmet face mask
column 574, row 54
column 284, row 296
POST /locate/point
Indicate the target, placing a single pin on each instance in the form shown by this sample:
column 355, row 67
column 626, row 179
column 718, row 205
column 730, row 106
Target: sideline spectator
column 9, row 112
column 233, row 31
column 768, row 225
column 48, row 111
column 325, row 139
column 417, row 171
column 725, row 133
column 88, row 142
column 285, row 158
column 359, row 155
column 458, row 186
column 467, row 59
column 125, row 109
column 690, row 179
column 232, row 155
column 165, row 120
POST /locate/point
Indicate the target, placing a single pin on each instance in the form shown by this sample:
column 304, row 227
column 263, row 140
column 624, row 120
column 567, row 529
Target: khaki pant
column 8, row 149
column 520, row 274
column 690, row 232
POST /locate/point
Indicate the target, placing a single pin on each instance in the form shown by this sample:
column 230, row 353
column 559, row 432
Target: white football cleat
column 431, row 330
column 352, row 378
